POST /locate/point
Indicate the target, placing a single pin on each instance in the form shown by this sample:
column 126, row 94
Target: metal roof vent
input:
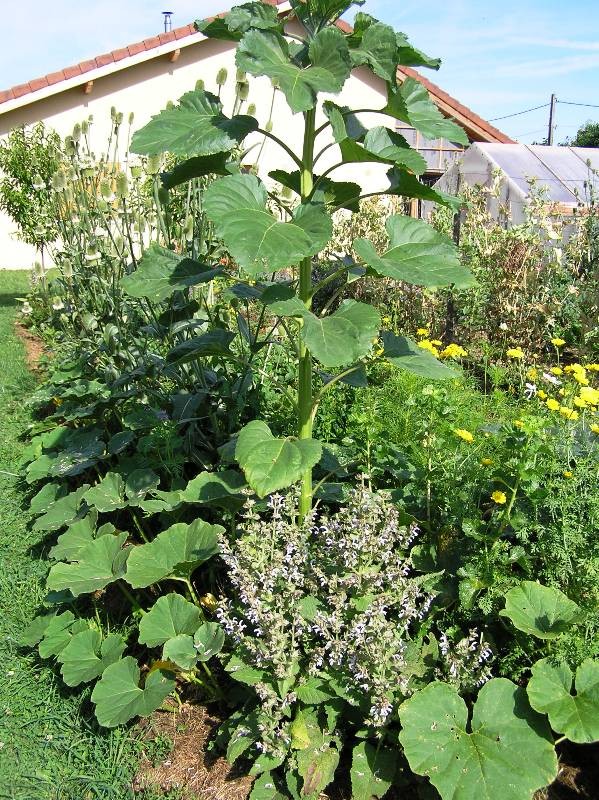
column 168, row 22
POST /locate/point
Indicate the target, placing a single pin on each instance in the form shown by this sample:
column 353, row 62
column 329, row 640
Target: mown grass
column 50, row 747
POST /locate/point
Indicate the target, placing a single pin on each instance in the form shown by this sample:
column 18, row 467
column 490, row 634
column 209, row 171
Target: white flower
column 551, row 379
column 530, row 391
column 503, row 326
column 58, row 305
column 26, row 308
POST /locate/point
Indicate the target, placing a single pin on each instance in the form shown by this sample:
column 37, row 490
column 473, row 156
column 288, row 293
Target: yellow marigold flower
column 437, row 342
column 580, row 377
column 426, row 344
column 556, row 371
column 532, row 373
column 552, row 404
column 574, row 368
column 595, row 429
column 557, row 342
column 422, row 332
column 518, row 424
column 580, row 403
column 499, row 497
column 562, row 392
column 541, row 394
column 567, row 474
column 464, row 434
column 568, row 413
column 593, row 367
column 386, row 320
column 486, row 462
column 515, row 352
column 454, row 351
column 590, row 395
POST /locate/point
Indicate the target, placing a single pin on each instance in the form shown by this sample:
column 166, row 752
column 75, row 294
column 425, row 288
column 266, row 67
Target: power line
column 519, row 113
column 586, row 105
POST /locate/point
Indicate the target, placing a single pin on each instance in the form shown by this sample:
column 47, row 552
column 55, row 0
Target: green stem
column 304, row 398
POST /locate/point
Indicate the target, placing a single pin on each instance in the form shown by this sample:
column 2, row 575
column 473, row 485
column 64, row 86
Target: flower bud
column 76, row 132
column 199, row 87
column 122, row 185
column 131, row 118
column 243, row 90
column 154, row 164
column 251, row 110
column 221, row 77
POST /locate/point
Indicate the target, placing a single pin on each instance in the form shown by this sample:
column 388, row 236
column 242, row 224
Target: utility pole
column 551, row 119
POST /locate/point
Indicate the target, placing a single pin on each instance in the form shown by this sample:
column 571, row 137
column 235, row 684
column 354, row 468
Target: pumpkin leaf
column 174, row 553
column 542, row 611
column 180, row 650
column 550, row 692
column 101, row 562
column 108, row 495
column 86, row 656
column 170, row 616
column 208, row 640
column 505, row 753
column 119, row 697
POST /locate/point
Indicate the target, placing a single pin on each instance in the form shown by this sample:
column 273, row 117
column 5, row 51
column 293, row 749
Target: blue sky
column 498, row 58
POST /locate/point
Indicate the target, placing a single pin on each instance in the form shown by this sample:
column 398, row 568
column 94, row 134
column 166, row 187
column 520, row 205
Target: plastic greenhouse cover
column 564, row 171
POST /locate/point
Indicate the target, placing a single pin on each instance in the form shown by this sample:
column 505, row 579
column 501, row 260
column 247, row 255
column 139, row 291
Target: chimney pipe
column 168, row 23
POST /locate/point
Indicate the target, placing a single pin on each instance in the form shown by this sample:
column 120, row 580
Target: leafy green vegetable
column 86, row 656
column 99, row 563
column 549, row 692
column 119, row 697
column 505, row 753
column 542, row 611
column 170, row 616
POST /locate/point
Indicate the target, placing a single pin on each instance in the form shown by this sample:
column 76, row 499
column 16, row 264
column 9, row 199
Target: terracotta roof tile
column 104, row 60
column 188, row 30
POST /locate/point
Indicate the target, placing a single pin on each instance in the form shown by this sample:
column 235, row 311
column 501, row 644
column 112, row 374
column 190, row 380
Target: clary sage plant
column 307, row 69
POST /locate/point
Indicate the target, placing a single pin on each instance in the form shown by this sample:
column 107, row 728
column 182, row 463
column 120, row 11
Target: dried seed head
column 122, row 185
column 199, row 87
column 221, row 76
column 76, row 132
column 251, row 110
column 154, row 164
column 243, row 90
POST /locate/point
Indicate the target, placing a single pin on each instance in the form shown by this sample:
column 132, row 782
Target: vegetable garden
column 268, row 487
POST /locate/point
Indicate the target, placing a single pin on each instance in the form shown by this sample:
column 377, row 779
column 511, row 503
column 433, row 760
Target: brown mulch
column 34, row 347
column 189, row 767
column 578, row 777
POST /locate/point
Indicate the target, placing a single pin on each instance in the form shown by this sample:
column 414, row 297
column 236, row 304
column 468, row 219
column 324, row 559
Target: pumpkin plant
column 307, row 69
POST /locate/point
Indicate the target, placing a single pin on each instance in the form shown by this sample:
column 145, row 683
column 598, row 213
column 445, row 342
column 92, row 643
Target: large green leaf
column 212, row 343
column 317, row 768
column 506, row 753
column 256, row 239
column 86, row 656
column 318, row 13
column 269, row 463
column 108, row 495
column 405, row 184
column 411, row 103
column 391, row 146
column 372, row 771
column 194, row 127
column 542, row 611
column 549, row 692
column 180, row 651
column 417, row 254
column 208, row 640
column 343, row 337
column 241, row 18
column 174, row 553
column 170, row 616
column 77, row 536
column 198, row 167
column 342, row 194
column 54, row 632
column 101, row 562
column 119, row 697
column 267, row 53
column 404, row 353
column 410, row 56
column 61, row 511
column 374, row 44
column 212, row 488
column 161, row 272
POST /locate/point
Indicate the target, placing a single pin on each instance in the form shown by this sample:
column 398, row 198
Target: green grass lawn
column 50, row 747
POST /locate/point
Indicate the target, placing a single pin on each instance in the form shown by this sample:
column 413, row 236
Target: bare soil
column 190, row 768
column 34, row 347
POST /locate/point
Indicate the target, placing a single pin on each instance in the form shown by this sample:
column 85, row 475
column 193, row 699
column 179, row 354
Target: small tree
column 28, row 159
column 587, row 135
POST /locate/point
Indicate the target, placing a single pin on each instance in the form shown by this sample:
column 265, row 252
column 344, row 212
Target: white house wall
column 146, row 87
